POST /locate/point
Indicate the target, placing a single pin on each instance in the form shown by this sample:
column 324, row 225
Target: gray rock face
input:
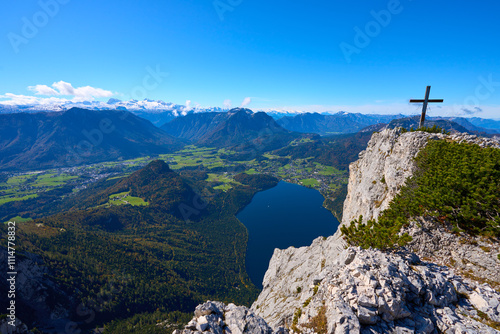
column 382, row 169
column 380, row 172
column 294, row 274
column 472, row 257
column 291, row 270
column 218, row 318
column 35, row 288
column 18, row 328
column 369, row 291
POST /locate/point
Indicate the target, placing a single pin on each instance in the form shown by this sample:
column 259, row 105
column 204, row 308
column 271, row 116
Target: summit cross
column 424, row 106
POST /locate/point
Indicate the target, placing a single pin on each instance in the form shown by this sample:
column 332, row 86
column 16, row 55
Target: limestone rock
column 218, row 318
column 36, row 288
column 382, row 169
column 378, row 292
column 18, row 328
column 380, row 172
column 473, row 257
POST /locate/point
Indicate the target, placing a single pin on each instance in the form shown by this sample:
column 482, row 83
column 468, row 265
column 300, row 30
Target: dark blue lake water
column 280, row 217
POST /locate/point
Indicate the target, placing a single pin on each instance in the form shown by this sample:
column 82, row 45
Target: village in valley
column 219, row 164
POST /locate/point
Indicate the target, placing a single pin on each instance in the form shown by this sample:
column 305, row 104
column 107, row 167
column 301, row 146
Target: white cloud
column 187, row 108
column 64, row 88
column 15, row 100
column 87, row 92
column 67, row 89
column 472, row 111
column 43, row 90
column 246, row 101
column 227, row 104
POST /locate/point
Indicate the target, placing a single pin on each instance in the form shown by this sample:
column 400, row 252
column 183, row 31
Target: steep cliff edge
column 329, row 288
column 378, row 176
column 374, row 179
column 367, row 291
column 382, row 169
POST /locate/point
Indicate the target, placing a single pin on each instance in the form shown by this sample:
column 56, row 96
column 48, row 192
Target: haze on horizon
column 323, row 56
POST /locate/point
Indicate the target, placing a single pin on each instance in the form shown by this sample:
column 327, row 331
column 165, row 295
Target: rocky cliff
column 328, row 288
column 38, row 298
column 382, row 169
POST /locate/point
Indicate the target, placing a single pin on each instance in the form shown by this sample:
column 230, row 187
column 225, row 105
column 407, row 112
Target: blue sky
column 368, row 56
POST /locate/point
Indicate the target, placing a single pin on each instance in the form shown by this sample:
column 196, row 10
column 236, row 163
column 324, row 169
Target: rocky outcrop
column 380, row 172
column 329, row 288
column 472, row 257
column 373, row 292
column 218, row 318
column 18, row 327
column 290, row 271
column 382, row 169
column 38, row 298
column 366, row 291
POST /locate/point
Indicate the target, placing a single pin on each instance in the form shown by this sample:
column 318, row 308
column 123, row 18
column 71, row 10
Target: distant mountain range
column 236, row 128
column 340, row 122
column 451, row 124
column 485, row 123
column 474, row 124
column 159, row 112
column 343, row 122
column 77, row 136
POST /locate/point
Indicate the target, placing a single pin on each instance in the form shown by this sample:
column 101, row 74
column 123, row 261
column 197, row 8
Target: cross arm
column 430, row 100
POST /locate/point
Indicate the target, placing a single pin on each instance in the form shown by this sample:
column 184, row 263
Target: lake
column 280, row 217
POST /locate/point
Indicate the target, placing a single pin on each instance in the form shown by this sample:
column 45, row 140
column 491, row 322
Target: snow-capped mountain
column 158, row 112
column 132, row 105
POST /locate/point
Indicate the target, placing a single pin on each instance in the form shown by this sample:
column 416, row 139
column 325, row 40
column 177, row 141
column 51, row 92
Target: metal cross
column 424, row 107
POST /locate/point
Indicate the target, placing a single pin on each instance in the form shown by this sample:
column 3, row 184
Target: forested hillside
column 182, row 248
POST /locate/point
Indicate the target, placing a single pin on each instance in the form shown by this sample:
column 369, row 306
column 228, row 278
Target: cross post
column 424, row 106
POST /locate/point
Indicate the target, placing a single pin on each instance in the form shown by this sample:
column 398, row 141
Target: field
column 218, row 178
column 6, row 199
column 309, row 182
column 28, row 185
column 192, row 156
column 18, row 219
column 53, row 180
column 124, row 198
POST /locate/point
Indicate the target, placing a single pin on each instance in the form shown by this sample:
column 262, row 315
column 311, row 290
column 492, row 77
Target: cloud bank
column 63, row 88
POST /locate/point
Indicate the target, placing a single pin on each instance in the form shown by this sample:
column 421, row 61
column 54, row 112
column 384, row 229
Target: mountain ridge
column 340, row 122
column 238, row 127
column 77, row 136
column 159, row 112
